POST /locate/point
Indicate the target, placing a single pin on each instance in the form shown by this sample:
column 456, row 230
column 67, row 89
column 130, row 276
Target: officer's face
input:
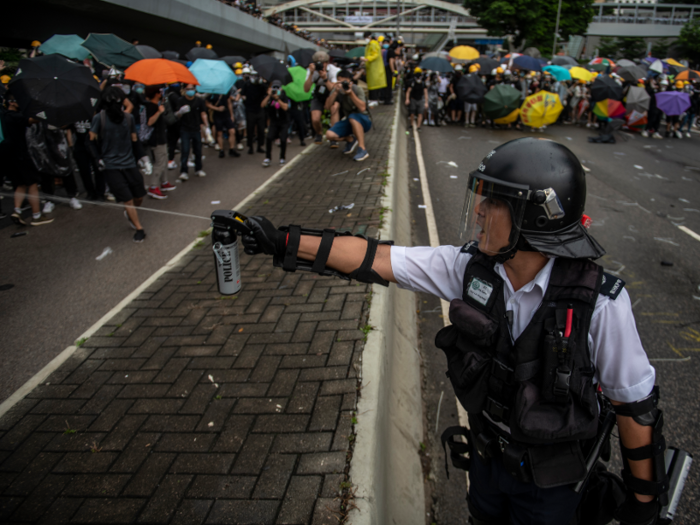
column 493, row 217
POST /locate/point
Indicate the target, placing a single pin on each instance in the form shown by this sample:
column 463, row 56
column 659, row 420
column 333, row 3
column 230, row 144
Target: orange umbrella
column 155, row 71
column 688, row 74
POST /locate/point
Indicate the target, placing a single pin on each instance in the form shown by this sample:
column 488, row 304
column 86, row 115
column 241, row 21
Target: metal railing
column 665, row 14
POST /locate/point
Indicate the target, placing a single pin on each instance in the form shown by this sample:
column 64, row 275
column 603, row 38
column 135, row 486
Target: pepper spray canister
column 224, row 240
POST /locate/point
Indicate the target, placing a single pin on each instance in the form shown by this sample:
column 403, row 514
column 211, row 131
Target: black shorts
column 125, row 184
column 416, row 107
column 22, row 172
column 223, row 122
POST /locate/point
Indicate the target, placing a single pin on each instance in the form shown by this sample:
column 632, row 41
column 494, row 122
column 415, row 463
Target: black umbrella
column 435, row 64
column 271, row 69
column 201, row 52
column 111, row 51
column 632, row 73
column 232, row 59
column 471, row 89
column 149, row 52
column 304, row 56
column 564, row 61
column 487, row 64
column 605, row 87
column 171, row 55
column 55, row 89
column 336, row 53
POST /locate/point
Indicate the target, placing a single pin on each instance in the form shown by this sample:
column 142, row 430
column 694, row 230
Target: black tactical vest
column 540, row 385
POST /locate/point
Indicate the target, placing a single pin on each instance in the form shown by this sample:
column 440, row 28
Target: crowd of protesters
column 128, row 150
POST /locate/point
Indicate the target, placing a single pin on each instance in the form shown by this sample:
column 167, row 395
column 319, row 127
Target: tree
column 532, row 21
column 689, row 41
column 631, row 47
column 607, row 47
column 659, row 49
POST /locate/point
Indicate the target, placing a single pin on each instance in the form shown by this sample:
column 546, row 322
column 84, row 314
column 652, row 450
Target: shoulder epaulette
column 611, row 286
column 470, row 248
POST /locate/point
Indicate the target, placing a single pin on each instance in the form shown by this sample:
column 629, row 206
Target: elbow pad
column 291, row 263
column 645, row 413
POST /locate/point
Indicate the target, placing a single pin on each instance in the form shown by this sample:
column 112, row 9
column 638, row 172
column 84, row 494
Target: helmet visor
column 493, row 214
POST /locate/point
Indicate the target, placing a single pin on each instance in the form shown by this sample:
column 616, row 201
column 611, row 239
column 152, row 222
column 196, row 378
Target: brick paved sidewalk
column 188, row 407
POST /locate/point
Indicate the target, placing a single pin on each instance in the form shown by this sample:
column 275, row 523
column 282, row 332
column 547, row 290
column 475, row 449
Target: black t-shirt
column 158, row 136
column 192, row 120
column 417, row 89
column 254, row 95
column 275, row 112
column 390, row 53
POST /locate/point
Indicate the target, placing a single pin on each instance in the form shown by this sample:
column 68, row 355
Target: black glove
column 634, row 512
column 265, row 238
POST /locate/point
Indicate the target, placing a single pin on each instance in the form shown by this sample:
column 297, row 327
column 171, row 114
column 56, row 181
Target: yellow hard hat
column 532, row 73
column 499, row 70
column 198, row 42
column 238, row 71
column 237, row 65
column 685, row 82
column 36, row 43
column 473, row 68
column 380, row 38
column 679, row 84
column 5, row 79
column 418, row 70
column 209, row 46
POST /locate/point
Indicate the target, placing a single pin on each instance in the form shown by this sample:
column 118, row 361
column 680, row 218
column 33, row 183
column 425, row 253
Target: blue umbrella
column 527, row 62
column 436, row 64
column 214, row 76
column 67, row 45
column 558, row 72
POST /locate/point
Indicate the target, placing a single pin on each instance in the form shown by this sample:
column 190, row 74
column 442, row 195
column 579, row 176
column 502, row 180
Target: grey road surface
column 60, row 289
column 639, row 192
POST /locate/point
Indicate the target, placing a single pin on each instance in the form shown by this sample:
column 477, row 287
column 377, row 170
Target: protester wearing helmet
column 417, row 97
column 537, row 326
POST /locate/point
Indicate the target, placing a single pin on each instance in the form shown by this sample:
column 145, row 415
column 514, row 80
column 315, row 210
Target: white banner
column 359, row 19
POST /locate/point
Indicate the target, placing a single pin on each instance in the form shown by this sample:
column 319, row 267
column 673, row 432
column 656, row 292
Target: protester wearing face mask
column 156, row 143
column 276, row 106
column 191, row 112
column 253, row 92
column 172, row 97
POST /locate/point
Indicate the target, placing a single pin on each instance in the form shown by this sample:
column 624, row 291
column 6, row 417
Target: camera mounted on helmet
column 528, row 194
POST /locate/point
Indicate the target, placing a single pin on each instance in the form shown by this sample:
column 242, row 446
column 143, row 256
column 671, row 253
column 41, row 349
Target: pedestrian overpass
column 641, row 20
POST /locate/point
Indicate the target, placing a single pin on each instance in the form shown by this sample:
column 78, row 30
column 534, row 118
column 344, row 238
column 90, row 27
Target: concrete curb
column 57, row 361
column 386, row 468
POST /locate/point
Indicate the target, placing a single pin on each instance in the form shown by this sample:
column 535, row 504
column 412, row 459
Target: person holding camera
column 357, row 122
column 276, row 106
column 324, row 75
column 417, row 97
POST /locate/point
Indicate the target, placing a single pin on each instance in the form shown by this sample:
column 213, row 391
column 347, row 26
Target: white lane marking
column 689, row 232
column 57, row 361
column 435, row 241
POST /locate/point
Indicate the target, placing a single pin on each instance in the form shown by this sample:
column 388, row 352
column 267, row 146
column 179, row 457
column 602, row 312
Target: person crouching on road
column 116, row 132
column 276, row 105
column 417, row 97
column 351, row 129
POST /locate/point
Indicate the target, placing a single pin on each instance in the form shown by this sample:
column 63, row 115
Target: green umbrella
column 295, row 89
column 70, row 46
column 501, row 101
column 111, row 51
column 355, row 52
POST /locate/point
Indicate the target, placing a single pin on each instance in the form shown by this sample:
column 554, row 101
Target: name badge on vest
column 480, row 290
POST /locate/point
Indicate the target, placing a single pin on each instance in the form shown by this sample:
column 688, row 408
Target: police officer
column 537, row 327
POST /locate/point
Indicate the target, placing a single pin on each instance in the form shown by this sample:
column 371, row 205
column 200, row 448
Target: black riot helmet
column 541, row 186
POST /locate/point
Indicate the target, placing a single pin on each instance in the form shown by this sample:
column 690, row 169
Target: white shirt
column 331, row 71
column 621, row 364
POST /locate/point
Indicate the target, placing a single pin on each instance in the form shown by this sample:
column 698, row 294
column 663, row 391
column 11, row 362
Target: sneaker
column 656, row 135
column 126, row 216
column 172, row 165
column 155, row 193
column 239, row 146
column 43, row 219
column 201, row 173
column 75, row 204
column 281, row 162
column 318, row 139
column 687, row 134
column 303, row 144
column 334, row 144
column 217, row 147
column 277, row 142
column 139, row 236
column 233, row 153
column 289, row 141
column 190, row 164
column 679, row 134
column 17, row 219
column 431, row 123
column 48, row 207
column 167, row 187
column 261, row 149
column 221, row 154
column 110, row 197
column 588, row 125
column 350, row 147
column 266, row 163
column 183, row 176
column 361, row 155
column 645, row 134
column 250, row 151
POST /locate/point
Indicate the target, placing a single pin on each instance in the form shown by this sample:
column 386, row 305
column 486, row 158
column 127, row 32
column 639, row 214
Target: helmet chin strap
column 521, row 245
